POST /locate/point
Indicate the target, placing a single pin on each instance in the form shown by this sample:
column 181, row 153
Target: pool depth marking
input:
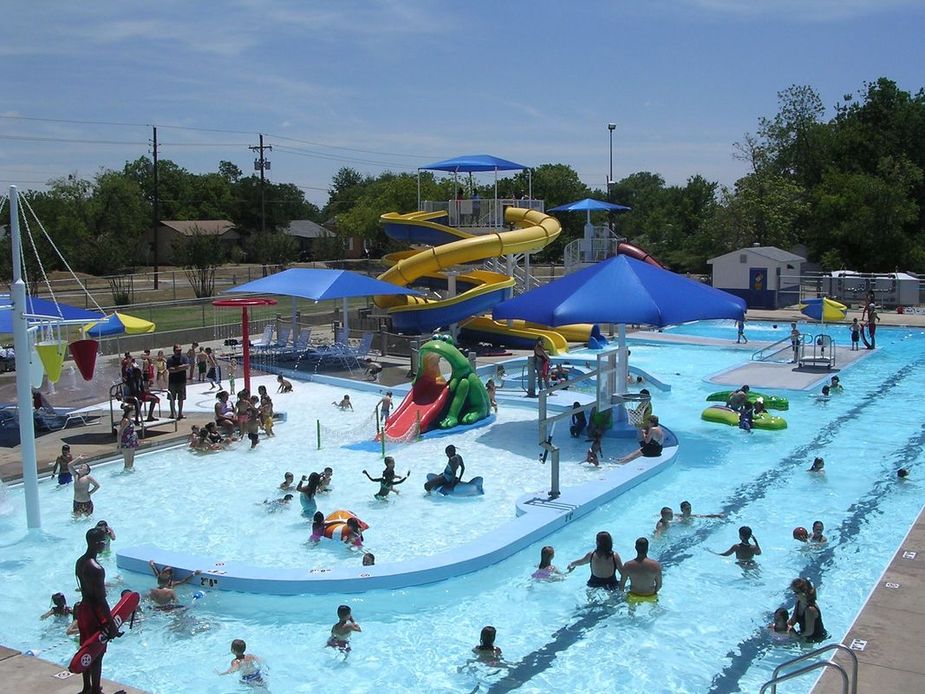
column 533, row 522
column 541, row 659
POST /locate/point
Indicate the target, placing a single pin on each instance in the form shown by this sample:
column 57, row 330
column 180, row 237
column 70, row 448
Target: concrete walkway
column 22, row 673
column 888, row 633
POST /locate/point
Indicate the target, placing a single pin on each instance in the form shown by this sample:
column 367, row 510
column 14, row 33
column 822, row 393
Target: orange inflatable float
column 335, row 524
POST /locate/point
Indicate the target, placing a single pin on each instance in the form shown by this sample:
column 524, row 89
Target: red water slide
column 638, row 253
column 425, row 403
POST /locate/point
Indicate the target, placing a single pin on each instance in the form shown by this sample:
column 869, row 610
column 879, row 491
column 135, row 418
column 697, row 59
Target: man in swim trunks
column 644, row 574
column 84, row 486
column 605, row 563
column 452, row 473
column 177, row 368
column 745, row 551
column 92, row 612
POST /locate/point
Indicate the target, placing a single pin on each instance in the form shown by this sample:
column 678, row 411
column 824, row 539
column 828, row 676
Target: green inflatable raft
column 771, row 402
column 720, row 414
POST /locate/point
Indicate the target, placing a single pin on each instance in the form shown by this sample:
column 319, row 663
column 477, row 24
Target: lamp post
column 611, row 127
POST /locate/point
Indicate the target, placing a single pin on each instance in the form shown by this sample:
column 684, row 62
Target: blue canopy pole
column 23, row 386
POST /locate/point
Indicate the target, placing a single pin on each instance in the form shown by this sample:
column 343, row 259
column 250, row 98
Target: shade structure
column 622, row 290
column 589, row 205
column 824, row 309
column 42, row 307
column 117, row 324
column 472, row 163
column 322, row 285
column 84, row 354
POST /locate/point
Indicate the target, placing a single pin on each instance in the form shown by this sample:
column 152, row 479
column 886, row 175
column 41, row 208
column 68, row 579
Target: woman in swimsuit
column 605, row 563
column 487, row 650
column 806, row 613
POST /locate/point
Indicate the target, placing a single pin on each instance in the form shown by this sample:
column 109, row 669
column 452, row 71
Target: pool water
column 758, row 331
column 705, row 634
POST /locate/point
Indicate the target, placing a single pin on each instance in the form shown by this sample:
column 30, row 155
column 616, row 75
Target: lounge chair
column 266, row 340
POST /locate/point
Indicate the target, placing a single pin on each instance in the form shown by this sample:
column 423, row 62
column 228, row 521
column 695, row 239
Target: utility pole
column 262, row 164
column 156, row 212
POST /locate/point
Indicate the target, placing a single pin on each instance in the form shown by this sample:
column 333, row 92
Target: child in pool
column 546, row 570
column 388, row 480
column 287, row 482
column 318, row 527
column 487, row 650
column 490, row 389
column 818, row 466
column 341, row 632
column 253, row 420
column 353, row 537
column 325, row 484
column 284, row 385
column 245, row 664
column 780, row 629
column 59, row 607
column 746, row 417
column 344, row 404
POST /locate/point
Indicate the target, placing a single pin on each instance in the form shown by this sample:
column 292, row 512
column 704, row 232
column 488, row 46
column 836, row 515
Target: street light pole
column 611, row 127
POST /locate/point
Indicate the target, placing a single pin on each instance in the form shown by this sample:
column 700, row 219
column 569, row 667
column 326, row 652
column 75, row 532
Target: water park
column 446, row 500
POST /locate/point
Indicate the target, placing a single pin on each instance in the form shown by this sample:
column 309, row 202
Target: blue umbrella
column 622, row 290
column 589, row 205
column 473, row 163
column 42, row 307
column 321, row 285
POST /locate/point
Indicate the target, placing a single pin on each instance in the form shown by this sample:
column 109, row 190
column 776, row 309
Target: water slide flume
column 478, row 290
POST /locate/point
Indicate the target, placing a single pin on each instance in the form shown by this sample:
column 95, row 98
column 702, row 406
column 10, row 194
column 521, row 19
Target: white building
column 765, row 276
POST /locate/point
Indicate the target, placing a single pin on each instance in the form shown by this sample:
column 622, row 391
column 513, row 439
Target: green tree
column 199, row 256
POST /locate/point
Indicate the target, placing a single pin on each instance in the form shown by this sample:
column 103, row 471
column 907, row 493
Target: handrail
column 849, row 684
column 774, row 347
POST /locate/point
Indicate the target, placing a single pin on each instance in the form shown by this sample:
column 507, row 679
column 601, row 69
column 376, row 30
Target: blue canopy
column 588, row 205
column 622, row 290
column 42, row 307
column 473, row 163
column 321, row 285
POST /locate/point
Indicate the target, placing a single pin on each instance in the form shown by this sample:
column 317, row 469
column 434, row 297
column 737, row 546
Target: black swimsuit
column 609, row 583
column 819, row 632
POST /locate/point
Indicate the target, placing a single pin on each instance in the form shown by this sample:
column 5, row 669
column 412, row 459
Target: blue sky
column 395, row 85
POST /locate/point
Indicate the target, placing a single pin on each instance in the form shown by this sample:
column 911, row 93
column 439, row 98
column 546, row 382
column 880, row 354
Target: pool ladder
column 849, row 683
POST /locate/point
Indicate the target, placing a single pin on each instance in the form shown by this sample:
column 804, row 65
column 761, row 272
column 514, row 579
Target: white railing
column 849, row 683
column 481, row 213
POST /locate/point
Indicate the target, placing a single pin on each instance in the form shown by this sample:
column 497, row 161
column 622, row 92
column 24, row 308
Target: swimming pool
column 553, row 635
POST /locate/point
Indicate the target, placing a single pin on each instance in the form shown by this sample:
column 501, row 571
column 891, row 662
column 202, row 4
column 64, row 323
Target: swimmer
column 344, row 404
column 452, row 473
column 108, row 536
column 353, row 537
column 902, row 473
column 818, row 466
column 385, row 405
column 286, row 484
column 745, row 551
column 326, row 475
column 308, row 487
column 546, row 570
column 835, row 385
column 605, row 563
column 686, row 515
column 60, row 466
column 579, row 421
column 388, row 480
column 369, row 559
column 825, row 393
column 490, row 388
column 667, row 515
column 343, row 630
column 643, row 574
column 59, row 607
column 165, row 594
column 758, row 406
column 591, row 456
column 817, row 537
column 274, row 505
column 500, row 373
column 779, row 628
column 245, row 664
column 487, row 650
column 284, row 385
column 319, row 525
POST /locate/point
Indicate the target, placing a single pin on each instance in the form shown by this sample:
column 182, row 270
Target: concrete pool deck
column 888, row 632
column 23, row 673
